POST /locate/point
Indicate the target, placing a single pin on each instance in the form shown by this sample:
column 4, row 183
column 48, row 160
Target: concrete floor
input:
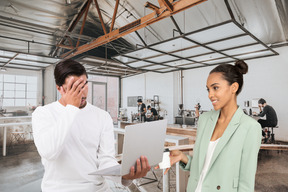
column 21, row 170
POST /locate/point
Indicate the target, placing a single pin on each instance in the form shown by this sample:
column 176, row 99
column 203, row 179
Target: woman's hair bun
column 241, row 66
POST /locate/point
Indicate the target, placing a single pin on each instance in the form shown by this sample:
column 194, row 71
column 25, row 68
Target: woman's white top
column 209, row 155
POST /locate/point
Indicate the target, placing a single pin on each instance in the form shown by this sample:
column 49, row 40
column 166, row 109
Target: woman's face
column 220, row 92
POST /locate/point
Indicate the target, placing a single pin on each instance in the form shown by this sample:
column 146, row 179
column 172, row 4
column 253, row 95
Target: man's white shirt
column 72, row 143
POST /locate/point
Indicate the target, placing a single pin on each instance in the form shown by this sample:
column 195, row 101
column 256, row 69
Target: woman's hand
column 175, row 157
column 141, row 169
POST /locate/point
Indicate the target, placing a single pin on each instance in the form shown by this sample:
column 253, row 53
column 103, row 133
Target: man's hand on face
column 72, row 94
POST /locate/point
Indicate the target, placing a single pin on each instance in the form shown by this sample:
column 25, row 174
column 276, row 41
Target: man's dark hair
column 261, row 101
column 67, row 68
column 139, row 100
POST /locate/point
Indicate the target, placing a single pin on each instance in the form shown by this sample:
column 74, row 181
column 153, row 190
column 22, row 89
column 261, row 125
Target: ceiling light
column 3, row 69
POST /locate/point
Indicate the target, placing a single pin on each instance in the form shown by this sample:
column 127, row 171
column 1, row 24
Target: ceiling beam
column 100, row 17
column 114, row 15
column 149, row 19
column 83, row 22
column 167, row 4
column 11, row 59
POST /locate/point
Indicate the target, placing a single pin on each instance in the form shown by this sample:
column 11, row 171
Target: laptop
column 145, row 139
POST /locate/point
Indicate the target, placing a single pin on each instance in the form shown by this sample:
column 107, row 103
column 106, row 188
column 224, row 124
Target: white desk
column 4, row 126
column 15, row 117
column 181, row 176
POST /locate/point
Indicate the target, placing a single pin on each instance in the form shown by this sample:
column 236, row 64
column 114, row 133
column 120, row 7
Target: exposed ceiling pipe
column 72, row 25
column 282, row 7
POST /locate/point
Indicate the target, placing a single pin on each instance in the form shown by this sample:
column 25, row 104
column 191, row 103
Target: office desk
column 4, row 126
column 181, row 176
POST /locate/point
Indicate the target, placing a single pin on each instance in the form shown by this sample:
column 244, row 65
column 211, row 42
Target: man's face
column 85, row 92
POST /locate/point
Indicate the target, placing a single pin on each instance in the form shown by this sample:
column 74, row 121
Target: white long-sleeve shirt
column 72, row 143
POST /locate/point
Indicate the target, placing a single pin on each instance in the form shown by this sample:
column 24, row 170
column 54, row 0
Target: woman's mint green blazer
column 234, row 162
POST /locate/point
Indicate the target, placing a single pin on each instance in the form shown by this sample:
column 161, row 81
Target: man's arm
column 263, row 113
column 50, row 133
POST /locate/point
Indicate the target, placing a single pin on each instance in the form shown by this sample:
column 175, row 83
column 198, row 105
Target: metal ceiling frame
column 205, row 45
column 37, row 68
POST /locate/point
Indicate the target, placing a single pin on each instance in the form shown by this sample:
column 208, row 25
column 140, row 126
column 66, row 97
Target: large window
column 18, row 90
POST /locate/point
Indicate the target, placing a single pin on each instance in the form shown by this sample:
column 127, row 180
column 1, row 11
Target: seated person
column 271, row 116
column 152, row 113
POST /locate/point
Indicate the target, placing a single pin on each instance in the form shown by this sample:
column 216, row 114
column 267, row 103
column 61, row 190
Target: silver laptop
column 145, row 139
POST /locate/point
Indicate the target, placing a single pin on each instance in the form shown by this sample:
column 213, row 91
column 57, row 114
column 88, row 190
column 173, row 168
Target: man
column 75, row 138
column 142, row 110
column 153, row 115
column 271, row 116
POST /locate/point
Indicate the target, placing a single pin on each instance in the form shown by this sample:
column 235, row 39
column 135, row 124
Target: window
column 18, row 90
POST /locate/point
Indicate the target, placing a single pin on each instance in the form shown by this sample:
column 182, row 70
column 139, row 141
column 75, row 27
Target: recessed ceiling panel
column 230, row 43
column 89, row 66
column 7, row 53
column 143, row 53
column 23, row 62
column 227, row 60
column 179, row 62
column 256, row 54
column 23, row 67
column 216, row 33
column 191, row 52
column 192, row 65
column 124, row 59
column 165, row 69
column 139, row 64
column 207, row 57
column 153, row 67
column 162, row 58
column 4, row 60
column 37, row 58
column 245, row 49
column 173, row 45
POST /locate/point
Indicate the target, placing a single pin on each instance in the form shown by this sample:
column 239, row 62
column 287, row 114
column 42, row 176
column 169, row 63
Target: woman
column 228, row 141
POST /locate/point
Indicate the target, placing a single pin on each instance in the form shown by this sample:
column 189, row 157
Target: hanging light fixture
column 3, row 69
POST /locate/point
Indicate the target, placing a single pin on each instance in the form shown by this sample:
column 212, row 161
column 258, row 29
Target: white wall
column 267, row 78
column 49, row 85
column 147, row 85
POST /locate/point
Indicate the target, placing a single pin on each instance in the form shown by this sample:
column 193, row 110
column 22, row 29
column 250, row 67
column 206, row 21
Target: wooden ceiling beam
column 114, row 15
column 100, row 17
column 149, row 19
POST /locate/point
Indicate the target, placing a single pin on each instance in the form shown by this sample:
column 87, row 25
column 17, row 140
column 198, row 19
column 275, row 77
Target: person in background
column 228, row 141
column 142, row 110
column 271, row 117
column 197, row 108
column 153, row 114
column 75, row 138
